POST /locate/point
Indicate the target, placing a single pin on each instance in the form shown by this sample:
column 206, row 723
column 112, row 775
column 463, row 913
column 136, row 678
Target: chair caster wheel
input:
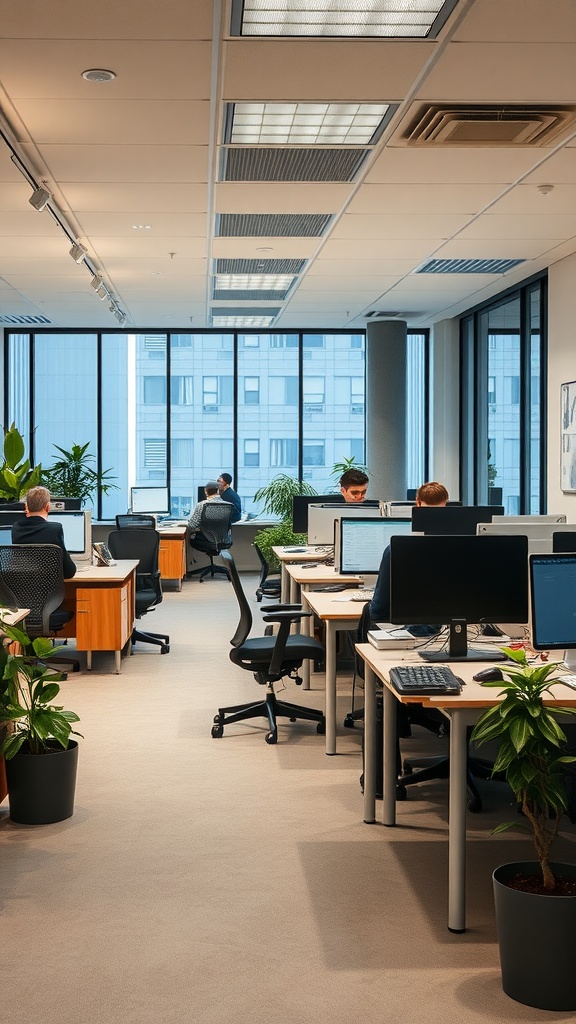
column 217, row 731
column 291, row 719
column 298, row 680
column 271, row 737
column 348, row 722
column 401, row 793
column 474, row 805
column 165, row 649
column 407, row 769
column 217, row 720
column 321, row 728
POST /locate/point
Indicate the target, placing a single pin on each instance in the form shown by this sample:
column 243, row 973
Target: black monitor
column 300, row 503
column 67, row 504
column 564, row 542
column 457, row 580
column 553, row 604
column 452, row 519
column 411, row 494
column 360, row 543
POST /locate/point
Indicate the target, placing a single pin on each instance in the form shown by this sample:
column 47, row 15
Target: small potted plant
column 535, row 900
column 40, row 757
column 73, row 475
column 277, row 497
column 16, row 474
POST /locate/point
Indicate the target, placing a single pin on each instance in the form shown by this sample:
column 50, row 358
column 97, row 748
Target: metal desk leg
column 330, row 687
column 88, row 660
column 284, row 584
column 306, row 628
column 389, row 788
column 457, row 825
column 369, row 746
column 117, row 661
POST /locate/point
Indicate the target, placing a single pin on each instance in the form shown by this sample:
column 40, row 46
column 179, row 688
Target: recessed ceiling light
column 253, row 282
column 142, row 227
column 98, row 75
column 242, row 321
column 399, row 18
column 305, row 124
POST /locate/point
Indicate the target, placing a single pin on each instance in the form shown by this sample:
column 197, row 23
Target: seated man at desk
column 34, row 528
column 197, row 538
column 353, row 486
column 228, row 494
column 431, row 493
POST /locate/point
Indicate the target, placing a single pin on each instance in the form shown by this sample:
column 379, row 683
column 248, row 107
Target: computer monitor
column 456, row 580
column 69, row 504
column 360, row 543
column 452, row 519
column 149, row 499
column 550, row 517
column 564, row 542
column 539, row 533
column 77, row 528
column 5, row 535
column 322, row 519
column 553, row 604
column 300, row 503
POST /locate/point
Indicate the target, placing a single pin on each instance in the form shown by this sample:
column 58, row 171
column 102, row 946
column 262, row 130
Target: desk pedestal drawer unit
column 103, row 602
column 172, row 558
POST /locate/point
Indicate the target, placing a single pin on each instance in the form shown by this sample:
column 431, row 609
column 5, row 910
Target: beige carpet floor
column 205, row 880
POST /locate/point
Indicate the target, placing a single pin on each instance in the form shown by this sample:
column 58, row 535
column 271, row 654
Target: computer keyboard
column 425, row 679
column 359, row 595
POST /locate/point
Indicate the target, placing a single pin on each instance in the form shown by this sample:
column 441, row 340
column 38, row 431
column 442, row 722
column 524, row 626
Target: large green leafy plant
column 277, row 500
column 531, row 751
column 27, row 691
column 74, row 475
column 16, row 474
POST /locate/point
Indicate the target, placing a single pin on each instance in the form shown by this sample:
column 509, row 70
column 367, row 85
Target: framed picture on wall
column 568, row 435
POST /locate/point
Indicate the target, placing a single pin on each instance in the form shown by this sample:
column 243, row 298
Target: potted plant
column 74, row 476
column 348, row 462
column 40, row 757
column 277, row 497
column 16, row 474
column 535, row 900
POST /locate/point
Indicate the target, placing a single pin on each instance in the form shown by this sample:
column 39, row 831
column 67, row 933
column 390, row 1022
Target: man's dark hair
column 226, row 478
column 353, row 478
column 211, row 488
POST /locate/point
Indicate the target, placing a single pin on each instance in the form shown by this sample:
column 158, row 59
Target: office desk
column 103, row 602
column 172, row 554
column 287, row 556
column 336, row 614
column 462, row 710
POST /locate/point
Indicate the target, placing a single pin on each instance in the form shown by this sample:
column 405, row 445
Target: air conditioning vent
column 286, row 164
column 467, row 266
column 487, row 125
column 265, row 266
column 24, row 320
column 380, row 312
column 271, row 225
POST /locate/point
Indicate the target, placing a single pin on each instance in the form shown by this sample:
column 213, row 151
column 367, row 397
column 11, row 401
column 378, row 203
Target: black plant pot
column 41, row 786
column 537, row 940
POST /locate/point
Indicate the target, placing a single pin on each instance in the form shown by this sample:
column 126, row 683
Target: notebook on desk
column 391, row 639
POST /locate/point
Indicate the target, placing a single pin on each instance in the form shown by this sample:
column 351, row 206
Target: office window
column 217, row 391
column 283, row 341
column 251, row 452
column 313, row 393
column 181, row 452
column 181, row 505
column 181, row 341
column 251, row 390
column 154, row 390
column 249, row 340
column 181, row 390
column 513, row 388
column 283, row 452
column 154, row 453
column 314, row 341
column 313, row 453
column 283, row 390
column 491, row 390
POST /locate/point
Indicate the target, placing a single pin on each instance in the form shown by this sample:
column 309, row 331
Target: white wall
column 561, row 368
column 445, row 407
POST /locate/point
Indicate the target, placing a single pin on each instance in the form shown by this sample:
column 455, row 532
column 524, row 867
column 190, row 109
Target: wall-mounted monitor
column 456, row 580
column 360, row 543
column 553, row 604
column 452, row 519
column 150, row 499
column 322, row 519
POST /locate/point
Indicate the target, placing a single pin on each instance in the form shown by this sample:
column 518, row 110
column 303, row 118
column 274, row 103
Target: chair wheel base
column 217, row 732
column 272, row 737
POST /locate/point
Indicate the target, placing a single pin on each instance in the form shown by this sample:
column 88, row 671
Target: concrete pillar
column 386, row 409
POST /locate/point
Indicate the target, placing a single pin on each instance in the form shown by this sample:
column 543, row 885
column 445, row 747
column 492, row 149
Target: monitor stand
column 570, row 659
column 458, row 649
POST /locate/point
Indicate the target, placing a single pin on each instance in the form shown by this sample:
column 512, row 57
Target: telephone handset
column 102, row 553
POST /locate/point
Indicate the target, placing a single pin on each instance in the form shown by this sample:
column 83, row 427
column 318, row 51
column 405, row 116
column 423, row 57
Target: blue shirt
column 232, row 498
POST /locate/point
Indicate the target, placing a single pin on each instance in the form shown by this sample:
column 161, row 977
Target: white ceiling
column 145, row 149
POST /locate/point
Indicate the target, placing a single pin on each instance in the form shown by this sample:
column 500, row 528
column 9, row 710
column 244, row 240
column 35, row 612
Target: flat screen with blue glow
column 553, row 601
column 361, row 543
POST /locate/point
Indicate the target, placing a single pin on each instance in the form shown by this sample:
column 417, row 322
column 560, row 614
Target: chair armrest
column 284, row 607
column 290, row 616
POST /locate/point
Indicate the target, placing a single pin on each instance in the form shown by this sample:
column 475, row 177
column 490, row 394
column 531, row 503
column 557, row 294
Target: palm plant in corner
column 535, row 901
column 35, row 735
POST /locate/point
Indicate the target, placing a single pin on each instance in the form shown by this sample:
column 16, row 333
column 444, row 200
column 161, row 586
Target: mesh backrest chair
column 31, row 576
column 214, row 537
column 135, row 519
column 268, row 586
column 144, row 545
column 269, row 658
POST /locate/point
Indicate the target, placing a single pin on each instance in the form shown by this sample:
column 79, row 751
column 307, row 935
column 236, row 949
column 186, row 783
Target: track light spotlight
column 40, row 198
column 112, row 308
column 78, row 252
column 99, row 287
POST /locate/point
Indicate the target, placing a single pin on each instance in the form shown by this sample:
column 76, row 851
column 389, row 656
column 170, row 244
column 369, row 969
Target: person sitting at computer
column 196, row 537
column 228, row 494
column 353, row 486
column 429, row 494
column 34, row 528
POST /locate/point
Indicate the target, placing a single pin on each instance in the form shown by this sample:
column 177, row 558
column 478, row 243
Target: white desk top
column 318, row 573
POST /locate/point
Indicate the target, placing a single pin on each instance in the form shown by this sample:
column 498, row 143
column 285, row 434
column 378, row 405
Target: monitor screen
column 5, row 535
column 564, row 541
column 360, row 543
column 300, row 503
column 539, row 533
column 322, row 519
column 452, row 519
column 149, row 499
column 77, row 527
column 455, row 580
column 553, row 601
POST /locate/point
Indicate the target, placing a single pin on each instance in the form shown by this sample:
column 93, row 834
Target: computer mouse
column 488, row 675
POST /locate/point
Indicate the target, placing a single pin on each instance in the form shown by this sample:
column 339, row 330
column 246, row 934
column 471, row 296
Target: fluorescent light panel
column 242, row 321
column 349, row 18
column 306, row 124
column 253, row 282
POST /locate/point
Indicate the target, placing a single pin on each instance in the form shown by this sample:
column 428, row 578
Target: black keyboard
column 425, row 679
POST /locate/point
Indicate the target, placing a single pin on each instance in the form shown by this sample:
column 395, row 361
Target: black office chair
column 135, row 519
column 31, row 576
column 270, row 658
column 214, row 538
column 268, row 586
column 144, row 545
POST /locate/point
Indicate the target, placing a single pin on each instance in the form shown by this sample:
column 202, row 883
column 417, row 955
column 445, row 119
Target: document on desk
column 392, row 639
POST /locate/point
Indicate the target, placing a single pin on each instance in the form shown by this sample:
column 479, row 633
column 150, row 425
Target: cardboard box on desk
column 392, row 639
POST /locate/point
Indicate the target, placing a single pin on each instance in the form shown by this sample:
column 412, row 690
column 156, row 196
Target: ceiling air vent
column 24, row 320
column 375, row 313
column 271, row 225
column 251, row 294
column 487, row 125
column 264, row 266
column 286, row 164
column 467, row 266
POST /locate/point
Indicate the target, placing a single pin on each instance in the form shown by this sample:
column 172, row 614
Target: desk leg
column 389, row 785
column 306, row 628
column 284, row 584
column 294, row 591
column 89, row 660
column 117, row 661
column 330, row 687
column 369, row 746
column 457, row 825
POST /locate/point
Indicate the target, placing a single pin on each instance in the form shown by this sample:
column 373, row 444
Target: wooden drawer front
column 172, row 558
column 102, row 618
